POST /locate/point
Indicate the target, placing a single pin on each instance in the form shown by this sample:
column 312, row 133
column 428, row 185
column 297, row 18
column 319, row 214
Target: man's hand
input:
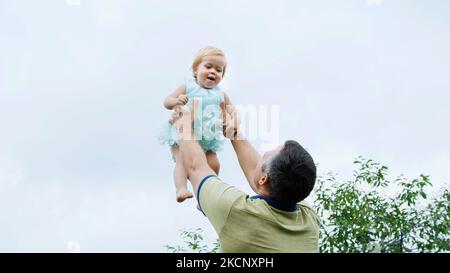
column 182, row 100
column 230, row 123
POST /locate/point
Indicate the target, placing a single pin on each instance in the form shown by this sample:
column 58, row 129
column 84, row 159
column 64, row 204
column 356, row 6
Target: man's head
column 287, row 174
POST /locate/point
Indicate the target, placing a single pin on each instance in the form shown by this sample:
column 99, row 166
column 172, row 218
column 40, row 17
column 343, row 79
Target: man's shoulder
column 213, row 181
column 216, row 199
column 305, row 204
column 214, row 189
column 308, row 209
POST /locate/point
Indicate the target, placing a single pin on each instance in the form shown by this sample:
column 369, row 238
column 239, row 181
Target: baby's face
column 210, row 71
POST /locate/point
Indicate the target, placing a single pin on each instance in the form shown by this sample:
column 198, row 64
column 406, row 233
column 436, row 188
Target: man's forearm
column 247, row 156
column 194, row 162
column 192, row 154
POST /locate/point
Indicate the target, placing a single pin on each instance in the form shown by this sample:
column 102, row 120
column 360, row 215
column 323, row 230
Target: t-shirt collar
column 275, row 204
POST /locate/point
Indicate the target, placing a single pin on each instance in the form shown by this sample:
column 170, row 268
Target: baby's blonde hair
column 207, row 51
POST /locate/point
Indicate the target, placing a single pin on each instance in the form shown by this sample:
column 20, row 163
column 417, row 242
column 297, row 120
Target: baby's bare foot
column 183, row 195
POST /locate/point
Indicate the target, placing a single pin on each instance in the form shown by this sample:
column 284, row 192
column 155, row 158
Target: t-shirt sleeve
column 216, row 199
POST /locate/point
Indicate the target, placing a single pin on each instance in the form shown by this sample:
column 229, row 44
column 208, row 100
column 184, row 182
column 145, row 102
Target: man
column 273, row 220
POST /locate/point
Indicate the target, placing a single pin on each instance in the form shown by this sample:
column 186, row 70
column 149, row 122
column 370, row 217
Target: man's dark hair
column 292, row 174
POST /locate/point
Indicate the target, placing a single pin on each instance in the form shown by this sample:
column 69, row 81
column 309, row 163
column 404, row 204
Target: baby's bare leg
column 213, row 161
column 180, row 177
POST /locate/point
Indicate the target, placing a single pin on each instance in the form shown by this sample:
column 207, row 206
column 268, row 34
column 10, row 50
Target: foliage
column 193, row 242
column 356, row 216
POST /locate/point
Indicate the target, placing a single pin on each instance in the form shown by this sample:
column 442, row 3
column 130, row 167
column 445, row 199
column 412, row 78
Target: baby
column 208, row 69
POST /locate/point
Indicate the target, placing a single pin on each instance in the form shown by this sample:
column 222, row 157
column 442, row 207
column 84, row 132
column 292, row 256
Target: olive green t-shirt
column 247, row 224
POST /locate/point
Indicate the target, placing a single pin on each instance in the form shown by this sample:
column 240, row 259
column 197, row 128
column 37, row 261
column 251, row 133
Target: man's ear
column 264, row 180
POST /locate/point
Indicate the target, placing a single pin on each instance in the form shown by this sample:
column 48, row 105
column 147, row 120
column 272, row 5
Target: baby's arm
column 177, row 97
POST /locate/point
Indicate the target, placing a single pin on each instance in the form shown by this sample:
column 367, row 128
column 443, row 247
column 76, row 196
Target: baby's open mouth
column 211, row 78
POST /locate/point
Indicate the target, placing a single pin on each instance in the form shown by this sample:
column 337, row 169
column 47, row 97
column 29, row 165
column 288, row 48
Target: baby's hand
column 182, row 100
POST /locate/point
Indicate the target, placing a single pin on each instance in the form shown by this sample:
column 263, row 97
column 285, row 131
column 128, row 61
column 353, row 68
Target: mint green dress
column 208, row 124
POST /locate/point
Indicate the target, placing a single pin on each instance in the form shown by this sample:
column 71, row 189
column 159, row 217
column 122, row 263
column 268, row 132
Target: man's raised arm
column 193, row 156
column 247, row 155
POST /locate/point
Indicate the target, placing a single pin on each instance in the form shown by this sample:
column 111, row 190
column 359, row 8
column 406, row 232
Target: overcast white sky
column 82, row 84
